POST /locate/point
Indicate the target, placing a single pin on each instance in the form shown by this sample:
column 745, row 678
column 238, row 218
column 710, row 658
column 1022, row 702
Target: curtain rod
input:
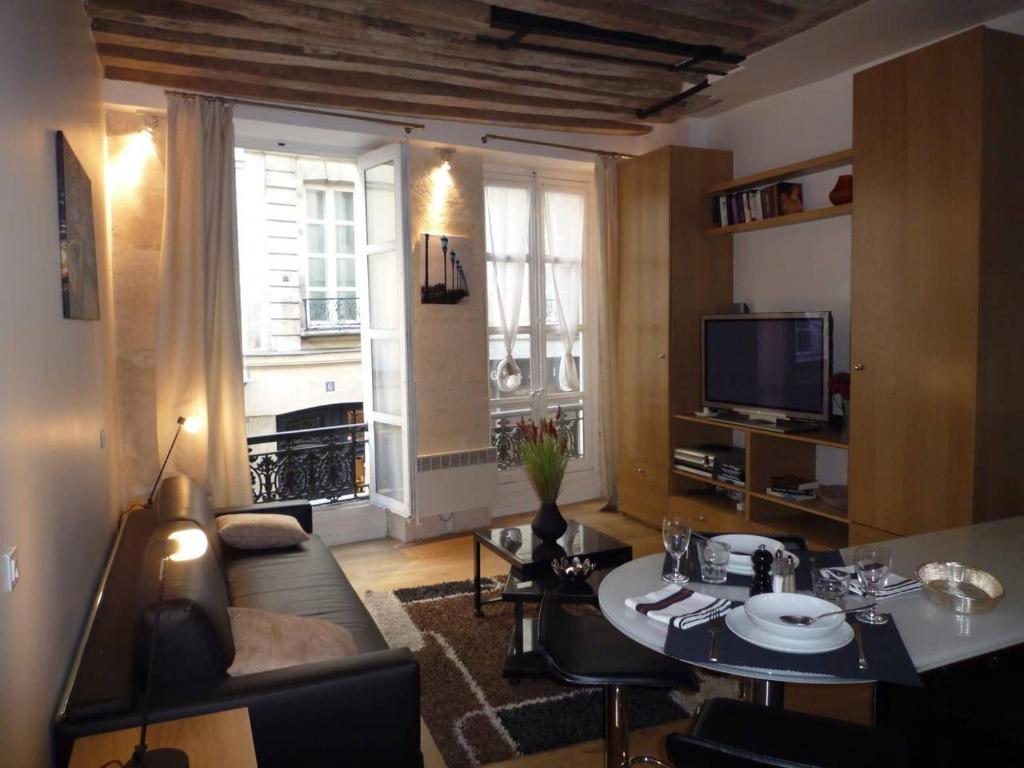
column 405, row 124
column 604, row 152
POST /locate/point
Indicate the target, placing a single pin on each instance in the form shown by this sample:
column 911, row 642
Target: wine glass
column 873, row 564
column 675, row 534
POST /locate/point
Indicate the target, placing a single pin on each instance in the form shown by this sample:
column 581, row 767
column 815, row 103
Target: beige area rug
column 474, row 714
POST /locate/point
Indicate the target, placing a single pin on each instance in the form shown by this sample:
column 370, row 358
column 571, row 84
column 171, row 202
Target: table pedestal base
column 767, row 693
column 616, row 725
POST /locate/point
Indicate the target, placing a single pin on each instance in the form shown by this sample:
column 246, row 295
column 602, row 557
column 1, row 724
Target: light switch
column 9, row 573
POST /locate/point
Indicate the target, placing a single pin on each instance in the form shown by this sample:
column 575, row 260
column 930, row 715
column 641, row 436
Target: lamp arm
column 140, row 749
column 163, row 466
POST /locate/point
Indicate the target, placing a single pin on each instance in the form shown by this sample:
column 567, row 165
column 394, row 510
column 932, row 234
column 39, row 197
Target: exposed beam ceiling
column 589, row 67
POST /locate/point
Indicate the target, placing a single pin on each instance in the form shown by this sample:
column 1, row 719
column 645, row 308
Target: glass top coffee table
column 530, row 576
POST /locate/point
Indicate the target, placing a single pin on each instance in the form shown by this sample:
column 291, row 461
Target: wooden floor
column 385, row 564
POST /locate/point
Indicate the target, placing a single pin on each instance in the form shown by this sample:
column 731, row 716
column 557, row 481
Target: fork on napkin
column 678, row 606
column 894, row 584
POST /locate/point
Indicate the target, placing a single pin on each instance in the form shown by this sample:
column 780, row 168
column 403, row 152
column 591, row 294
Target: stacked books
column 793, row 488
column 713, row 461
column 779, row 199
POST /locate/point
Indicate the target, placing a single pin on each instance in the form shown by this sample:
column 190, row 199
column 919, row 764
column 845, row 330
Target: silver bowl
column 960, row 587
column 572, row 570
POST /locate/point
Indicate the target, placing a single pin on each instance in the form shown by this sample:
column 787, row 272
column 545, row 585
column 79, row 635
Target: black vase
column 549, row 523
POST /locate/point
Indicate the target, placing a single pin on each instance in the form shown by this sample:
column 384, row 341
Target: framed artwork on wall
column 79, row 282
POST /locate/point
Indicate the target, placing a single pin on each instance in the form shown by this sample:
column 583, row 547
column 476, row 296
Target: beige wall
column 56, row 375
column 449, row 342
column 136, row 183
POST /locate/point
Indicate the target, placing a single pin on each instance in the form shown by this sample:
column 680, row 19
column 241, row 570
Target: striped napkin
column 678, row 606
column 894, row 584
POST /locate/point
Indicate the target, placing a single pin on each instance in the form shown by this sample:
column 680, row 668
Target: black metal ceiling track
column 693, row 58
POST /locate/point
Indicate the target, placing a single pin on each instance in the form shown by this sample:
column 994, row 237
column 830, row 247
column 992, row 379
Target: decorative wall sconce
column 454, row 286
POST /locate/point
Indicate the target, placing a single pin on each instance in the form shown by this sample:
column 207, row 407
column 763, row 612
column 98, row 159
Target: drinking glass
column 873, row 564
column 831, row 585
column 714, row 562
column 675, row 534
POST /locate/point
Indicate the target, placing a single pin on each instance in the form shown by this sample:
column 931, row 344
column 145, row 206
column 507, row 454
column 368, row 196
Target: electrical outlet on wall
column 9, row 573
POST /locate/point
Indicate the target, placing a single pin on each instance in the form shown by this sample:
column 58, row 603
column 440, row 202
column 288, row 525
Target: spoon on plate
column 806, row 621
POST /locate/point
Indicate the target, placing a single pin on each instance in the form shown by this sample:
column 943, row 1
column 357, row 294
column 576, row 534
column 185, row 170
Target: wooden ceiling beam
column 598, row 90
column 340, row 84
column 216, row 83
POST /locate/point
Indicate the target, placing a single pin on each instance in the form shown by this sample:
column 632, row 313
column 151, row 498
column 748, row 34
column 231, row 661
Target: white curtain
column 606, row 300
column 564, row 222
column 508, row 248
column 198, row 338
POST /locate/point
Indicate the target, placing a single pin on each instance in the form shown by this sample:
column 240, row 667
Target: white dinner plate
column 741, row 625
column 746, row 543
column 765, row 611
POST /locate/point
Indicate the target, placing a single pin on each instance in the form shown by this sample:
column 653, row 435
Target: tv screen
column 769, row 362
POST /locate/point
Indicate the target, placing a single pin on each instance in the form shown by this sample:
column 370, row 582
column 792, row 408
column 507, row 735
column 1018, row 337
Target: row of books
column 779, row 199
column 792, row 488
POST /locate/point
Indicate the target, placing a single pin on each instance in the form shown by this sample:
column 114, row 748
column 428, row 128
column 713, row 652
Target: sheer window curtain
column 564, row 221
column 198, row 338
column 606, row 301
column 508, row 246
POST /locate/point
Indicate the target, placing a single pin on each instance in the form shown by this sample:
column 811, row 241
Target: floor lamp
column 181, row 545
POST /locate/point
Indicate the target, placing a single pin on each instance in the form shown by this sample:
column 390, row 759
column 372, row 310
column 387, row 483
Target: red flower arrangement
column 839, row 384
column 544, row 455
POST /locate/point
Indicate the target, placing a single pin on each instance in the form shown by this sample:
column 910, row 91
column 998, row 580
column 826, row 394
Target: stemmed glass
column 873, row 564
column 675, row 534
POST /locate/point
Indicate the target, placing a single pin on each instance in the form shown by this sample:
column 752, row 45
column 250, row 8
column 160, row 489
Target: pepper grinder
column 761, row 579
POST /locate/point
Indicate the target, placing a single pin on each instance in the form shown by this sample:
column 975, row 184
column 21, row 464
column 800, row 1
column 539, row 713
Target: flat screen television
column 768, row 365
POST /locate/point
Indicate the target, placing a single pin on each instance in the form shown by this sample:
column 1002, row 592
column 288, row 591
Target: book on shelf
column 779, row 199
column 693, row 469
column 793, row 483
column 791, row 495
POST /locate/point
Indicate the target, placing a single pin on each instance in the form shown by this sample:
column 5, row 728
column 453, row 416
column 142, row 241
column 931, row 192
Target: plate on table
column 741, row 626
column 739, row 564
column 765, row 611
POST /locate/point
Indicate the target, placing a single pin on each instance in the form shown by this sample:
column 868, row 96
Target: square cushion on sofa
column 260, row 531
column 265, row 641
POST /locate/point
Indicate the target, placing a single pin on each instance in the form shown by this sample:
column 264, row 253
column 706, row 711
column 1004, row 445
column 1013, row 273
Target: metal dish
column 572, row 570
column 960, row 587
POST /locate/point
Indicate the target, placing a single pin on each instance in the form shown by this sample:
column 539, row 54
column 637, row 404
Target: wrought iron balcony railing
column 340, row 312
column 325, row 464
column 506, row 438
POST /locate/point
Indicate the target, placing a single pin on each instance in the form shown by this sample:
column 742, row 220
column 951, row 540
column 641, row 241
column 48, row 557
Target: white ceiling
column 866, row 34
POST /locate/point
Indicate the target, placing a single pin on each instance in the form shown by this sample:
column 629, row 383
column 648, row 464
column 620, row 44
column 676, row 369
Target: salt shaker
column 784, row 575
column 761, row 579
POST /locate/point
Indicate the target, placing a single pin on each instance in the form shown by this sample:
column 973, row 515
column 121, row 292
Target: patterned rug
column 475, row 715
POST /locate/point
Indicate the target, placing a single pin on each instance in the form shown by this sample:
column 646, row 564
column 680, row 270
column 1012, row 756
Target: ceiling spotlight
column 446, row 158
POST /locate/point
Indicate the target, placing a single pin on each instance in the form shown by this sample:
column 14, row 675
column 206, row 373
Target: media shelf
column 768, row 453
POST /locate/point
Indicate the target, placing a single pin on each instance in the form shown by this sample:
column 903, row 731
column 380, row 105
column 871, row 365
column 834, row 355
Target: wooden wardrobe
column 669, row 274
column 937, row 284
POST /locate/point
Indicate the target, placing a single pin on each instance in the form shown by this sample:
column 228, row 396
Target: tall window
column 536, row 241
column 330, row 257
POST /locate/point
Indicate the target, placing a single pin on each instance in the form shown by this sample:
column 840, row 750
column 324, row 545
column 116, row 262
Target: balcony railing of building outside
column 506, row 438
column 325, row 464
column 338, row 312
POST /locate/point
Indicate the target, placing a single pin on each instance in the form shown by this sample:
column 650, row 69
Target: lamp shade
column 191, row 544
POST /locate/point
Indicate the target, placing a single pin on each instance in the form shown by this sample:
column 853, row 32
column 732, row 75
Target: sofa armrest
column 360, row 710
column 300, row 509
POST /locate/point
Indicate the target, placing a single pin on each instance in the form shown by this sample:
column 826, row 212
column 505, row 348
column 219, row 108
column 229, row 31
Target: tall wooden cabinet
column 937, row 282
column 669, row 274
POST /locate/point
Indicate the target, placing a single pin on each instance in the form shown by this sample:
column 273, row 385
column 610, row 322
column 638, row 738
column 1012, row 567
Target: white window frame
column 332, row 257
column 582, row 479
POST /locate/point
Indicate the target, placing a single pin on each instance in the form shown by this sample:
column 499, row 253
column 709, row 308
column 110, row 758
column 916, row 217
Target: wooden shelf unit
column 768, row 453
column 782, row 173
column 784, row 221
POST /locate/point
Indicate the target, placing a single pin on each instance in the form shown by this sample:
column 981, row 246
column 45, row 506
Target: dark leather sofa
column 360, row 710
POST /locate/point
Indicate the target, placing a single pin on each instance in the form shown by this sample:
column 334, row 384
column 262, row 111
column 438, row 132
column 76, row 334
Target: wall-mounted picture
column 444, row 272
column 79, row 283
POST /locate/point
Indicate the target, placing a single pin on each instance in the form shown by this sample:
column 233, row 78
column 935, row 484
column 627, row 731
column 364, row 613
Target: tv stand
column 780, row 424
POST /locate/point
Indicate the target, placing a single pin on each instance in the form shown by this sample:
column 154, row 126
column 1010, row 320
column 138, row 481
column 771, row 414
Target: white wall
column 55, row 374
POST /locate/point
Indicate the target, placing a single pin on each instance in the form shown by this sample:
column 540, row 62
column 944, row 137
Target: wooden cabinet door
column 643, row 283
column 914, row 288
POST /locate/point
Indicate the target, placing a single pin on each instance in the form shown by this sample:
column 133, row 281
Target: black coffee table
column 530, row 576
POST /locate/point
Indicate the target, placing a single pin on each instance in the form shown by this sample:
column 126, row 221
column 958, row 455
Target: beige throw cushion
column 259, row 531
column 266, row 641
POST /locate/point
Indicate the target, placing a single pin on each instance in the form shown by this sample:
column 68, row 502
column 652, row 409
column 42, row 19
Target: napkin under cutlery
column 678, row 606
column 894, row 584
